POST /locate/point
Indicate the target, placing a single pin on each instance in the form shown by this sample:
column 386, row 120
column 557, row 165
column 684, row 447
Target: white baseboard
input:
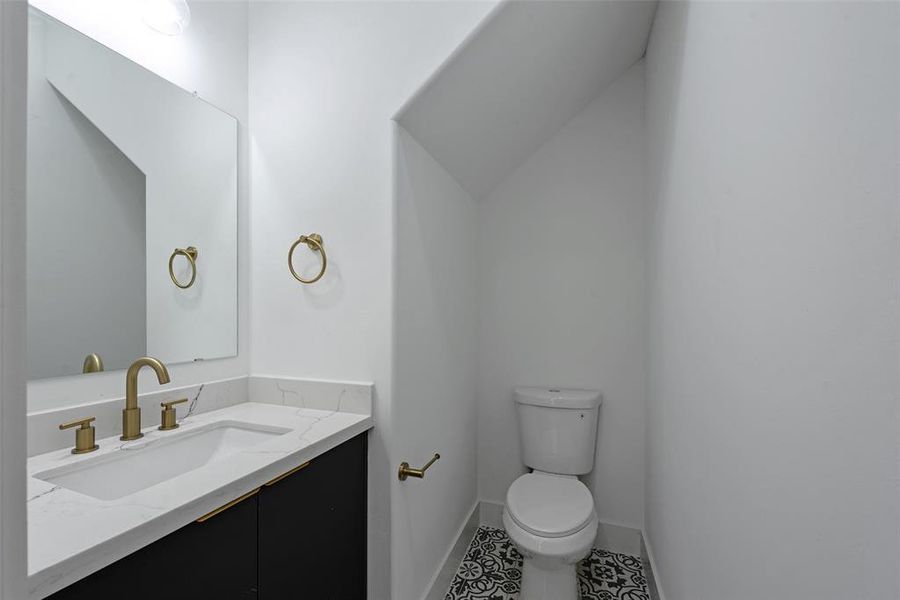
column 455, row 553
column 650, row 570
column 491, row 514
column 618, row 538
column 610, row 536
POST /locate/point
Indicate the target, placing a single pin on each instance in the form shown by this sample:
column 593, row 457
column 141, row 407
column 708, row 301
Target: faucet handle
column 167, row 418
column 84, row 435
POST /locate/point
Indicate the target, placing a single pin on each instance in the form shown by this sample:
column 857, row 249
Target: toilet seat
column 549, row 506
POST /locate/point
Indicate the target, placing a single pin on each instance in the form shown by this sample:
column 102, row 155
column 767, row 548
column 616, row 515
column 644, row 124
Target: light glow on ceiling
column 170, row 17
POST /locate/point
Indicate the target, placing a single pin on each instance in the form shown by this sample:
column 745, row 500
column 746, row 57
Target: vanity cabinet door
column 213, row 559
column 312, row 529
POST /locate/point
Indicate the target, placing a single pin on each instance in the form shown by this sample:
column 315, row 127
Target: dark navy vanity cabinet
column 312, row 529
column 300, row 536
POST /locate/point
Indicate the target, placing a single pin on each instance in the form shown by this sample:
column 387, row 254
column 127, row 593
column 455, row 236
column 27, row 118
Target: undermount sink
column 146, row 463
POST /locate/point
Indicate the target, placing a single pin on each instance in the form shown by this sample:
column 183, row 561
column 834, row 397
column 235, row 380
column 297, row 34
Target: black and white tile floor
column 492, row 570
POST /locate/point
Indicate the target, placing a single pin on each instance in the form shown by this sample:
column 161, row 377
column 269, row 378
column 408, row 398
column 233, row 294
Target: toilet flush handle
column 407, row 471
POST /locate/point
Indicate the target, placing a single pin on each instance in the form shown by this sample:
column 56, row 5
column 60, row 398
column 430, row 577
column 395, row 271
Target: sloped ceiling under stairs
column 528, row 69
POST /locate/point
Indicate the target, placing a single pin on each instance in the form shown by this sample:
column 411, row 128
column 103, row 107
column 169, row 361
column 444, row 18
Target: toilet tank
column 558, row 428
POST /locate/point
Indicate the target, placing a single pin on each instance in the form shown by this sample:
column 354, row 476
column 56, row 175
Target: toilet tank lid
column 558, row 397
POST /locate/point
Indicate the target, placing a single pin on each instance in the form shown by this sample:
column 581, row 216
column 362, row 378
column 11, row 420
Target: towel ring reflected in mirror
column 189, row 253
column 314, row 242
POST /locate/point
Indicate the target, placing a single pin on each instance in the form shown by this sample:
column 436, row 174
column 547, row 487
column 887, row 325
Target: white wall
column 87, row 282
column 562, row 294
column 13, row 112
column 434, row 378
column 325, row 80
column 773, row 420
column 210, row 57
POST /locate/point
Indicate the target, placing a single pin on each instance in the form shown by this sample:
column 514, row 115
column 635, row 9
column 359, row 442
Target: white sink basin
column 145, row 463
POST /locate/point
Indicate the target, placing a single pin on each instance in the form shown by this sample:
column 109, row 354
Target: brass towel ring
column 314, row 242
column 189, row 253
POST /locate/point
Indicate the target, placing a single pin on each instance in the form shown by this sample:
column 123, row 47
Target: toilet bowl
column 551, row 520
column 549, row 514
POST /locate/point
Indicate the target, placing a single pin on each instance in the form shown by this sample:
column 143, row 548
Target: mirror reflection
column 132, row 212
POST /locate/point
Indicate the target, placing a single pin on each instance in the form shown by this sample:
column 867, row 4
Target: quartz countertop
column 71, row 535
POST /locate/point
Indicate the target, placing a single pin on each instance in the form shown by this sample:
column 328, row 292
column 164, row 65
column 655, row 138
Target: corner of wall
column 650, row 571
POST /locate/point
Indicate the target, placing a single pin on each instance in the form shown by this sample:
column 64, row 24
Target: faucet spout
column 131, row 416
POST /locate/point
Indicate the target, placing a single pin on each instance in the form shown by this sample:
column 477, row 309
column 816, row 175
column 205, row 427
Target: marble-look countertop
column 71, row 535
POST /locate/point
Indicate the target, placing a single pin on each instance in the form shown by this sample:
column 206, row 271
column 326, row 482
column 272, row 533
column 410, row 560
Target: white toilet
column 549, row 514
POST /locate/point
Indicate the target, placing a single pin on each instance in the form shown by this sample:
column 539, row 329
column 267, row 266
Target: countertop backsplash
column 353, row 397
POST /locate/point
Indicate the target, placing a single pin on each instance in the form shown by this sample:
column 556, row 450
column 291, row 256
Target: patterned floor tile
column 492, row 570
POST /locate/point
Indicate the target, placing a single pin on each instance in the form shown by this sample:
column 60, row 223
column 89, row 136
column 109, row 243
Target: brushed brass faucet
column 92, row 363
column 131, row 416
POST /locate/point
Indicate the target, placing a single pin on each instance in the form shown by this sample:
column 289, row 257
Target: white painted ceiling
column 523, row 74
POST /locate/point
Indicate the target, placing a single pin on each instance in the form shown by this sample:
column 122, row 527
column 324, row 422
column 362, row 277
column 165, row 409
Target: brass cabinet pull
column 167, row 418
column 288, row 474
column 249, row 494
column 315, row 243
column 407, row 471
column 84, row 435
column 189, row 253
column 225, row 507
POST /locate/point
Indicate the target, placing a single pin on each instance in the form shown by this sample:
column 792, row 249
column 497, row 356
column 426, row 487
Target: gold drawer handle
column 288, row 474
column 407, row 471
column 225, row 507
column 250, row 494
column 315, row 243
column 189, row 253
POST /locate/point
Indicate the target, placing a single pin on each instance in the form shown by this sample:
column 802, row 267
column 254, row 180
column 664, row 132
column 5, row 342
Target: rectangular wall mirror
column 132, row 212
